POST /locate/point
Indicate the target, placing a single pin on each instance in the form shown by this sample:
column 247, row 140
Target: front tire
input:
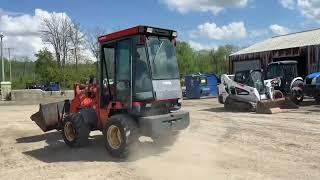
column 119, row 132
column 75, row 132
column 277, row 94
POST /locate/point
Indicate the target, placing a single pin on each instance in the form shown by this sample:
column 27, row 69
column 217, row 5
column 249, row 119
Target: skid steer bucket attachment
column 275, row 106
column 48, row 116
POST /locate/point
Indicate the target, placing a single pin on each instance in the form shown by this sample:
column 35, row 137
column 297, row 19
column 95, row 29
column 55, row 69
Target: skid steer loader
column 137, row 92
column 248, row 91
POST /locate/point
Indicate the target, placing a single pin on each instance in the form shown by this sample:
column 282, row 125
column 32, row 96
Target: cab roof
column 146, row 30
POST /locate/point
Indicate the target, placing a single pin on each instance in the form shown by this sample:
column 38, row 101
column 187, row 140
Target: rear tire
column 296, row 97
column 119, row 132
column 227, row 104
column 75, row 132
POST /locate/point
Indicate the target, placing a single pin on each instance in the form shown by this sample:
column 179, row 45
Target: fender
column 295, row 79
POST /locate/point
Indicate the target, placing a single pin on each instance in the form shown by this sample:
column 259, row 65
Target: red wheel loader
column 136, row 92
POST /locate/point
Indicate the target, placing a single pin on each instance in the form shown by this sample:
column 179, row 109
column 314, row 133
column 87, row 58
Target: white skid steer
column 247, row 90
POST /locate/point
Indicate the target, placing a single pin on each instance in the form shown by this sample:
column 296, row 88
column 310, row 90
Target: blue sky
column 202, row 23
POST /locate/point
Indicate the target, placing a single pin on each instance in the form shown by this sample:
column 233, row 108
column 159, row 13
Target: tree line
column 68, row 63
column 46, row 68
column 204, row 61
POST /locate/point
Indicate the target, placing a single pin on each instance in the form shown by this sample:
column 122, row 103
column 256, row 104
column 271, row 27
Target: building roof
column 300, row 39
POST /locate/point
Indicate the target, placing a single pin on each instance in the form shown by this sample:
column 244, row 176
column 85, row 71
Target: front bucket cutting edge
column 275, row 106
column 47, row 117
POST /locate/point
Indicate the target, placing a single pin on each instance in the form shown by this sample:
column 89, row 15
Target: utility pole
column 2, row 63
column 9, row 59
column 10, row 65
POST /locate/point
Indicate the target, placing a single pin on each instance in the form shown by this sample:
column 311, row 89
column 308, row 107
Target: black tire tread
column 293, row 99
column 129, row 131
column 82, row 131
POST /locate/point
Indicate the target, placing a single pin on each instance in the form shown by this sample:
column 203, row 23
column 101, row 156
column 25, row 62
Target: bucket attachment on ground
column 48, row 116
column 275, row 106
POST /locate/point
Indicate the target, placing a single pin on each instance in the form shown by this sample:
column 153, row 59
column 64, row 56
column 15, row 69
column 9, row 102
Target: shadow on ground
column 310, row 103
column 224, row 110
column 58, row 151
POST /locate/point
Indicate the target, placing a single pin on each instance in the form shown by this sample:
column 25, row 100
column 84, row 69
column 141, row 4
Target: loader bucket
column 48, row 116
column 275, row 106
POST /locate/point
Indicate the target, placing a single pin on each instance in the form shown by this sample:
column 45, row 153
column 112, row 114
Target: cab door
column 123, row 71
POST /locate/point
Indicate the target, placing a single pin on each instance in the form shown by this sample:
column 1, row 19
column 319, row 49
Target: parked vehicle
column 312, row 86
column 52, row 87
column 291, row 84
column 248, row 91
column 35, row 86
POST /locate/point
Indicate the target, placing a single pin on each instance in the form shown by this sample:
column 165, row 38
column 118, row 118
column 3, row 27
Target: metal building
column 302, row 46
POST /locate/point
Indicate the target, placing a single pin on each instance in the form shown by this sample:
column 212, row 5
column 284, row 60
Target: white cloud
column 279, row 30
column 199, row 46
column 289, row 4
column 234, row 30
column 310, row 9
column 22, row 32
column 213, row 6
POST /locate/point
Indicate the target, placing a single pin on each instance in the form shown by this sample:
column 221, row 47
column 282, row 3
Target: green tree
column 185, row 58
column 46, row 67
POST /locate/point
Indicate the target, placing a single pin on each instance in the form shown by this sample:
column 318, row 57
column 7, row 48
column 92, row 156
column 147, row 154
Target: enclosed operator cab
column 139, row 69
column 286, row 70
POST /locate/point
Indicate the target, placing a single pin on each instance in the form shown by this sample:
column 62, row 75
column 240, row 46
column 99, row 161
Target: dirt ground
column 217, row 145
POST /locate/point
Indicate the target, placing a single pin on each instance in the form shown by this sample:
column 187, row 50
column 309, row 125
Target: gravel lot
column 217, row 145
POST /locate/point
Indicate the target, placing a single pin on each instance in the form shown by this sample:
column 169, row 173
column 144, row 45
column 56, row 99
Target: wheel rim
column 114, row 137
column 297, row 96
column 69, row 131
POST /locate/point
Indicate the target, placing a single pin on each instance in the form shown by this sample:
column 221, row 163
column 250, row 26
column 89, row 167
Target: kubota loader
column 247, row 90
column 137, row 92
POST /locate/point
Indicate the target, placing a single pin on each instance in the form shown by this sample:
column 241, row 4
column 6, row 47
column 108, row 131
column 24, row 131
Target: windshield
column 250, row 78
column 163, row 59
column 284, row 70
column 273, row 71
column 257, row 81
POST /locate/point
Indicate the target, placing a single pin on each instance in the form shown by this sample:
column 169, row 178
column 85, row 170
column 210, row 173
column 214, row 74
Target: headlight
column 314, row 81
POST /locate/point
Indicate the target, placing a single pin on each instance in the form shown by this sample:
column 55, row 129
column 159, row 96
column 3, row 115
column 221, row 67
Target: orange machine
column 137, row 92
